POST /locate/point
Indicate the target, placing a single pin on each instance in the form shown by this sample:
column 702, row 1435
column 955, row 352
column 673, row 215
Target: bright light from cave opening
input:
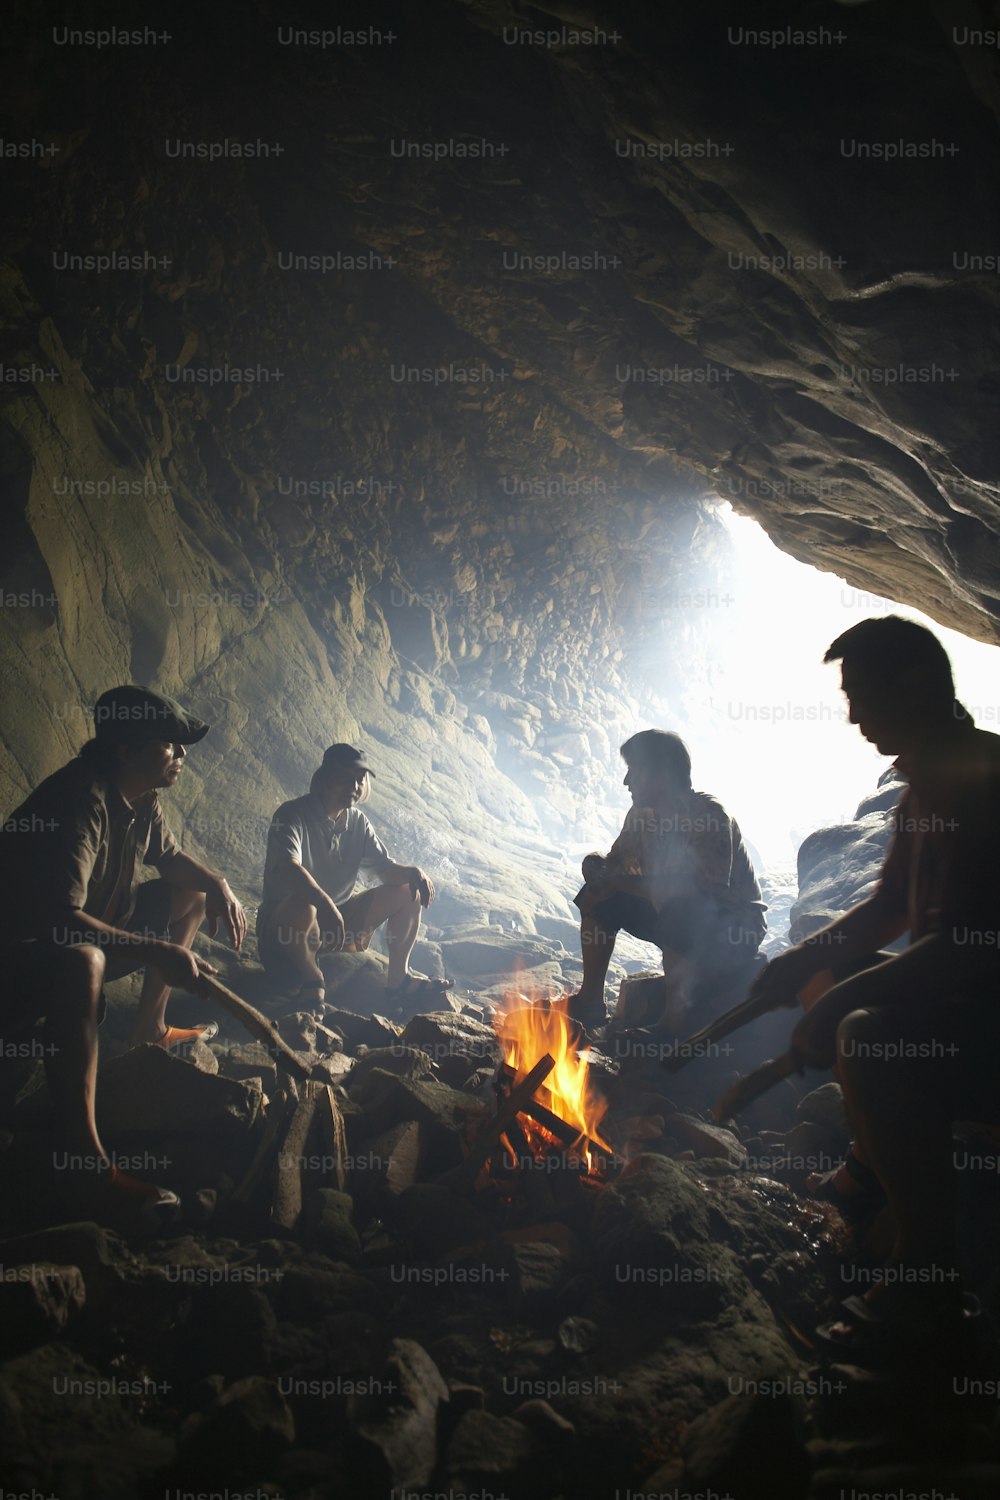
column 766, row 720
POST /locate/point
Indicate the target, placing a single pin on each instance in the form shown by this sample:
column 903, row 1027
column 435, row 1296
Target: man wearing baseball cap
column 317, row 846
column 74, row 914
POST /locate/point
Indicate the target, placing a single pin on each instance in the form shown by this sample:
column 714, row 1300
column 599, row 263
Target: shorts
column 27, row 966
column 686, row 926
column 273, row 947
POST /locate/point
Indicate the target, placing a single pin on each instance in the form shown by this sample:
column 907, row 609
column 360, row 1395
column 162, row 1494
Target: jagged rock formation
column 839, row 866
column 467, row 569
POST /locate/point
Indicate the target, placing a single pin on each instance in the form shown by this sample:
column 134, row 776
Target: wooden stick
column 534, row 1184
column 562, row 1130
column 467, row 1171
column 258, row 1025
column 747, row 1089
column 331, row 1134
column 286, row 1205
column 277, row 1114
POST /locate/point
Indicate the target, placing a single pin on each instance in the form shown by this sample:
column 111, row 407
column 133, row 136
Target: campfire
column 544, row 1090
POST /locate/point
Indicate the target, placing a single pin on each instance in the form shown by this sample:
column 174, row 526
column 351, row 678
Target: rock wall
column 431, row 491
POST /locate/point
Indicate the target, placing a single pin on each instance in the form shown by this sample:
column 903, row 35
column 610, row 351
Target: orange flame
column 528, row 1030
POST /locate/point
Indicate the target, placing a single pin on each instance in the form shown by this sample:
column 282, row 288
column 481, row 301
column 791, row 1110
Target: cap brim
column 197, row 731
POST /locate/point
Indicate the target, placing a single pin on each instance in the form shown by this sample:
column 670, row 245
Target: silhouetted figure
column 678, row 875
column 74, row 913
column 317, row 846
column 915, row 1039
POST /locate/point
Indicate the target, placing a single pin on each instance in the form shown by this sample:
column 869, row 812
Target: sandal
column 119, row 1201
column 854, row 1208
column 174, row 1036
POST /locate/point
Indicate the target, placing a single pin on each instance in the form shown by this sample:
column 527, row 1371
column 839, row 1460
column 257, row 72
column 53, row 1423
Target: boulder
column 750, row 1444
column 329, row 1225
column 245, row 1060
column 487, row 1449
column 405, row 1061
column 704, row 1139
column 102, row 1256
column 443, row 1034
column 150, row 1091
column 495, row 955
column 447, row 1116
column 654, row 1243
column 61, row 1416
column 38, row 1300
column 391, row 1160
column 396, row 1425
column 360, row 1031
column 240, row 1435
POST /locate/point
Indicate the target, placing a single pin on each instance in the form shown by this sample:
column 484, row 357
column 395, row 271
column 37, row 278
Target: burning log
column 465, row 1174
column 538, row 1192
column 569, row 1110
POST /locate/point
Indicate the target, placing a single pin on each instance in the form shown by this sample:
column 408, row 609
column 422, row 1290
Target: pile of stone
column 340, row 1309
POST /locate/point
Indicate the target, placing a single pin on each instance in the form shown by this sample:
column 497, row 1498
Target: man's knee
column 401, row 898
column 77, row 977
column 861, row 1042
column 187, row 904
column 296, row 912
column 82, row 966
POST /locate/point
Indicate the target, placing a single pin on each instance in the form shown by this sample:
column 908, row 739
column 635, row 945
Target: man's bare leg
column 71, row 1073
column 905, row 1136
column 187, row 912
column 399, row 907
column 297, row 925
column 597, row 944
column 71, row 1033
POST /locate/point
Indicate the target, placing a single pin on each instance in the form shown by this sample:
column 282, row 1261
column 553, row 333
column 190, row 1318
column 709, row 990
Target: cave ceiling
column 664, row 252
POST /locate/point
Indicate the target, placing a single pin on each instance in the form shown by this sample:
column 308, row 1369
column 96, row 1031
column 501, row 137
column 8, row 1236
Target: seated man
column 916, row 1038
column 678, row 875
column 74, row 914
column 316, row 847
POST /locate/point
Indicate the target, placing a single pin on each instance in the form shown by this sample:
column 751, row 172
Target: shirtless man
column 916, row 1038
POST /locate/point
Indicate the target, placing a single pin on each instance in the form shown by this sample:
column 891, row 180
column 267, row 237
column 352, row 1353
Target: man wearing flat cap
column 317, row 846
column 73, row 912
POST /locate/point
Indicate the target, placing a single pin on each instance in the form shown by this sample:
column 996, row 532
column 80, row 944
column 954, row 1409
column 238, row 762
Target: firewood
column 258, row 1025
column 568, row 1134
column 330, row 1136
column 286, row 1204
column 464, row 1175
column 277, row 1115
column 537, row 1191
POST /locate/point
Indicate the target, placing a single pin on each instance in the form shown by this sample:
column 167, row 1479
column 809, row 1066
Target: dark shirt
column 695, row 849
column 334, row 851
column 942, row 871
column 76, row 844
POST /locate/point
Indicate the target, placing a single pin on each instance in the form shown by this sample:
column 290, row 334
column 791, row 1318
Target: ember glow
column 530, row 1030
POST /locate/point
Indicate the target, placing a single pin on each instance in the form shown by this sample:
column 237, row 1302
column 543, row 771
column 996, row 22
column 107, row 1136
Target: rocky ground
column 406, row 1327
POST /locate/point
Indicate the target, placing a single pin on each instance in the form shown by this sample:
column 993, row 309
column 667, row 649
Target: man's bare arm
column 411, row 875
column 861, row 931
column 189, row 874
